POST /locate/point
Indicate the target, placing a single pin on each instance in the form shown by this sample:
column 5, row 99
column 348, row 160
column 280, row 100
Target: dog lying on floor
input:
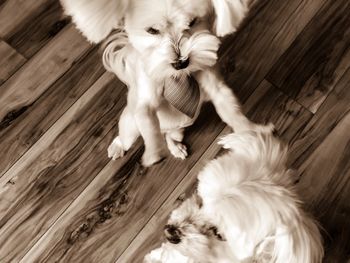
column 245, row 210
column 165, row 51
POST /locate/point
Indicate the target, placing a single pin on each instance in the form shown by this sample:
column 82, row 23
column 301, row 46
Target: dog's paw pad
column 115, row 149
column 179, row 150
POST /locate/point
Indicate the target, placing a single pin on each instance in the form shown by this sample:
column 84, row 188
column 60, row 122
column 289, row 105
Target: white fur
column 248, row 195
column 230, row 13
column 96, row 18
column 166, row 254
column 143, row 61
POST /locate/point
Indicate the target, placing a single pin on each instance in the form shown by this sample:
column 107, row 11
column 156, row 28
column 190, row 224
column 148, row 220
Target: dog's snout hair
column 181, row 63
column 172, row 234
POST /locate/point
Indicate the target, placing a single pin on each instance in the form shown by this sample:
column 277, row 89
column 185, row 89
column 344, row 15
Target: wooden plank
column 10, row 61
column 76, row 233
column 268, row 31
column 266, row 103
column 313, row 64
column 14, row 13
column 325, row 182
column 21, row 131
column 36, row 76
column 100, row 225
column 335, row 107
column 42, row 184
column 321, row 152
column 45, row 23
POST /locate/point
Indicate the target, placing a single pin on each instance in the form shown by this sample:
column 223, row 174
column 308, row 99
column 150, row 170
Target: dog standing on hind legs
column 165, row 51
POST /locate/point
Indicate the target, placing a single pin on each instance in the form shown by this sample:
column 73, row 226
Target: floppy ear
column 96, row 18
column 229, row 14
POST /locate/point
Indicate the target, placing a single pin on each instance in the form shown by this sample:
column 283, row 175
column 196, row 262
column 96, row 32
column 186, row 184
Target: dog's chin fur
column 249, row 196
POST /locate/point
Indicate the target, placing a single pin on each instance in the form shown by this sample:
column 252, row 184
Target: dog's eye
column 152, row 31
column 193, row 22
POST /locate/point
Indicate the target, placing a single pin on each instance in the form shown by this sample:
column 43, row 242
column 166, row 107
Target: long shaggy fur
column 248, row 195
column 96, row 18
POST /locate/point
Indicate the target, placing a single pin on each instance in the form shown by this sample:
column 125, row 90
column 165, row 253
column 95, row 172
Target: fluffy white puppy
column 245, row 210
column 165, row 51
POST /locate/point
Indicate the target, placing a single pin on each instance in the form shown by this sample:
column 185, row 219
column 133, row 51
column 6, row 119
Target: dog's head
column 190, row 232
column 178, row 37
column 174, row 37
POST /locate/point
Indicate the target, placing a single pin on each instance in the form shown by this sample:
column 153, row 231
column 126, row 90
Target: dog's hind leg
column 128, row 133
column 148, row 124
column 176, row 148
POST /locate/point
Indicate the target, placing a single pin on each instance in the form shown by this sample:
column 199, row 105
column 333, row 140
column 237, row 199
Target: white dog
column 165, row 51
column 245, row 210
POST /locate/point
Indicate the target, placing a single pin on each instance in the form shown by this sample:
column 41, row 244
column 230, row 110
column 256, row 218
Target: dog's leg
column 144, row 97
column 226, row 104
column 128, row 133
column 176, row 148
column 148, row 124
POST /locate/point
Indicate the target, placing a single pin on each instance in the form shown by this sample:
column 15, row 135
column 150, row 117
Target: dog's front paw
column 153, row 157
column 178, row 150
column 228, row 141
column 115, row 149
column 264, row 128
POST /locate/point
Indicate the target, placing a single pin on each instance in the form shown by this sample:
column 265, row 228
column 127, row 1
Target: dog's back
column 250, row 194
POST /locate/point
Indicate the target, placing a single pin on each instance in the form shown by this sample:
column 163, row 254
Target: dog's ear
column 229, row 14
column 96, row 18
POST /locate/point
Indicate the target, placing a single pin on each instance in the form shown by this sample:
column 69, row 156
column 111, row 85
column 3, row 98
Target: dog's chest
column 183, row 94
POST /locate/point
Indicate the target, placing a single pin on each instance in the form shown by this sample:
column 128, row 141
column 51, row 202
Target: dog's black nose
column 181, row 63
column 172, row 234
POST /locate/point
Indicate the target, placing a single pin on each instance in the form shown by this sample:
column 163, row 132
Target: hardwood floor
column 63, row 200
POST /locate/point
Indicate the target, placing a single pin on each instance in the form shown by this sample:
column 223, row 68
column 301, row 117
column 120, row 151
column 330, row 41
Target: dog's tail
column 116, row 48
column 300, row 243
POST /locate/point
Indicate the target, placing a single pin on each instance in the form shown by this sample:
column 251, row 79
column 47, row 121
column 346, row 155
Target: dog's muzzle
column 172, row 234
column 181, row 63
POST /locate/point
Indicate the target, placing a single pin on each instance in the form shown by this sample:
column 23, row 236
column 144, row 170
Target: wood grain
column 43, row 25
column 266, row 103
column 10, row 61
column 14, row 13
column 335, row 107
column 96, row 216
column 322, row 152
column 122, row 205
column 38, row 188
column 36, row 76
column 22, row 130
column 313, row 64
column 268, row 31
